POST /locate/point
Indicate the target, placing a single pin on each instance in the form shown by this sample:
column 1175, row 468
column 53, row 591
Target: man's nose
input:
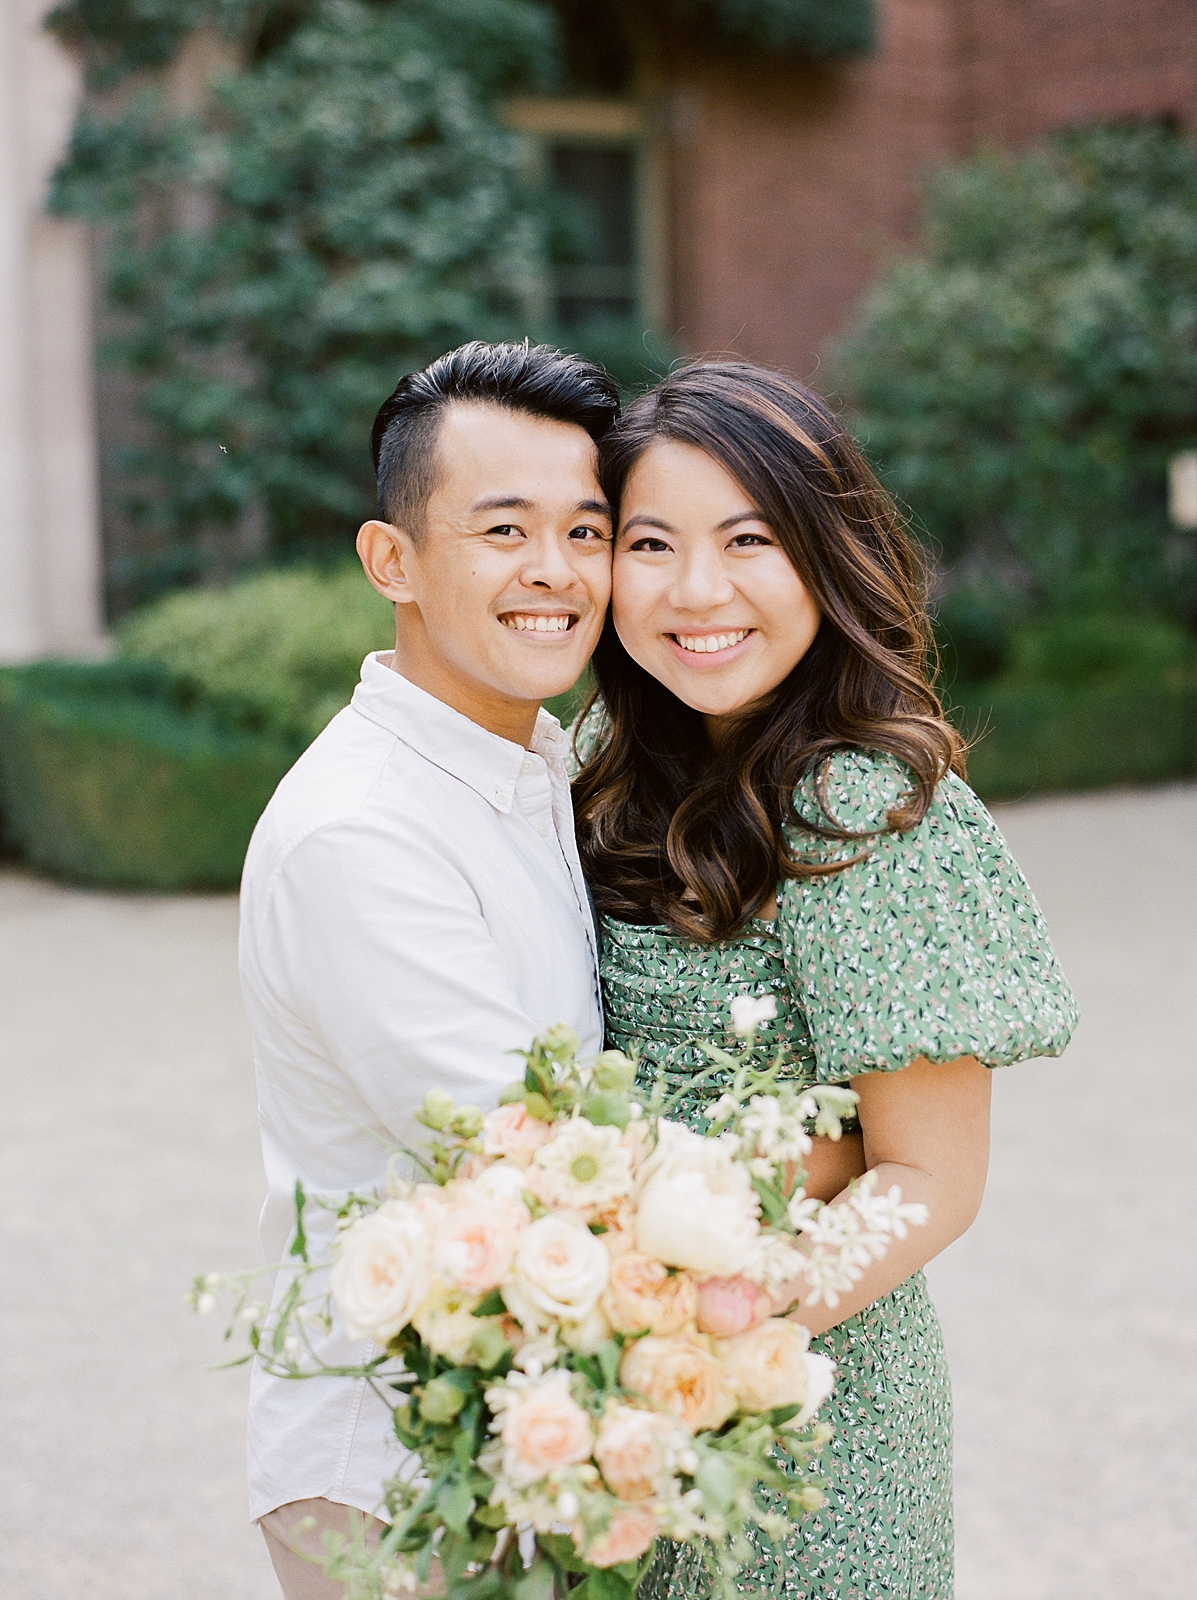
column 547, row 565
column 700, row 582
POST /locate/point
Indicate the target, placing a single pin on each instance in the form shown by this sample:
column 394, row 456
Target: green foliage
column 1024, row 382
column 347, row 209
column 109, row 774
column 278, row 653
column 818, row 28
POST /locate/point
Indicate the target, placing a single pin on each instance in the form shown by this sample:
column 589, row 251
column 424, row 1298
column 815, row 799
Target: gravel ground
column 130, row 1161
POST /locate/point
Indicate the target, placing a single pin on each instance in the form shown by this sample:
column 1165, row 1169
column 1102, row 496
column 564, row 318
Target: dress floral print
column 930, row 945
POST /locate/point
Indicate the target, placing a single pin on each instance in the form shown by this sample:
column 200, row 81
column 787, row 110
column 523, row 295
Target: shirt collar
column 488, row 764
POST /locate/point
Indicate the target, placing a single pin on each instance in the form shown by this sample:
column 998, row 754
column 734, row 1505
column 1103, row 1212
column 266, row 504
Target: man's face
column 505, row 590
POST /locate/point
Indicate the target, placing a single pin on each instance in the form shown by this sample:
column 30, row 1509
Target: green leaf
column 455, row 1504
column 492, row 1306
column 299, row 1245
column 535, row 1583
column 607, row 1110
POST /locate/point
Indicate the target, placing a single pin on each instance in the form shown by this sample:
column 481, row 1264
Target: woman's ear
column 387, row 555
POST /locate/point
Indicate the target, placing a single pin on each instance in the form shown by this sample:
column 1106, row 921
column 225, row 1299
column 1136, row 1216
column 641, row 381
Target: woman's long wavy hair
column 674, row 831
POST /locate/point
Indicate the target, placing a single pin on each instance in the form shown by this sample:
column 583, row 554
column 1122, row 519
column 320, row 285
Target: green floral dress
column 930, row 946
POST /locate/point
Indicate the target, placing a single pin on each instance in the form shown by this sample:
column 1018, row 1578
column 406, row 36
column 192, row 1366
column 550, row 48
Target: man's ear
column 387, row 555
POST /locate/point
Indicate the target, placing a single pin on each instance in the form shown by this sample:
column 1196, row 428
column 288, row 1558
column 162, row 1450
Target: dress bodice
column 664, row 994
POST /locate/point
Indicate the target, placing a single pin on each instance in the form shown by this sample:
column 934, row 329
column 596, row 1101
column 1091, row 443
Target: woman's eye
column 744, row 541
column 648, row 543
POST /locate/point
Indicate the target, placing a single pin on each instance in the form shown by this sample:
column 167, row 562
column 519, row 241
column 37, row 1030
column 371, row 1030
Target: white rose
column 383, row 1271
column 820, row 1381
column 696, row 1207
column 502, row 1181
column 560, row 1272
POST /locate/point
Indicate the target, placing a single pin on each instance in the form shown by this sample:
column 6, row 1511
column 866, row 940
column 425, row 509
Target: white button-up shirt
column 412, row 911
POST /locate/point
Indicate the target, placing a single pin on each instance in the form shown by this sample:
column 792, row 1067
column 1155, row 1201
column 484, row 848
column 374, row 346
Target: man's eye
column 506, row 529
column 581, row 532
column 648, row 543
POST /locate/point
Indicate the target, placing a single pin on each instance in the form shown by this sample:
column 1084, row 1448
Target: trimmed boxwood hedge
column 109, row 776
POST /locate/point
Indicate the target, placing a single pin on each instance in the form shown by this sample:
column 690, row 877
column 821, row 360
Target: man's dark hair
column 535, row 379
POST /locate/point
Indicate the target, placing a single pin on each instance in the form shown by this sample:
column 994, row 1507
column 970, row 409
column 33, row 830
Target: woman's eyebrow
column 644, row 519
column 741, row 516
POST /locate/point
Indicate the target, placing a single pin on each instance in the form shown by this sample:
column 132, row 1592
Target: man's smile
column 538, row 621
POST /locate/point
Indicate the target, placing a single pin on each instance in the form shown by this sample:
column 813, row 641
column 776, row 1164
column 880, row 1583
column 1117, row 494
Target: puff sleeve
column 932, row 945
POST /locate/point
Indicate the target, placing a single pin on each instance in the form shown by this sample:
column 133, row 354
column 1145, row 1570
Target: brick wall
column 794, row 185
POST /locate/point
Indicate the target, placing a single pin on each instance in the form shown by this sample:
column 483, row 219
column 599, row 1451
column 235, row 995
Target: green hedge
column 1033, row 738
column 109, row 776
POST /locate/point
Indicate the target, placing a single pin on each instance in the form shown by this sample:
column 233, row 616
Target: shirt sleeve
column 931, row 945
column 383, row 958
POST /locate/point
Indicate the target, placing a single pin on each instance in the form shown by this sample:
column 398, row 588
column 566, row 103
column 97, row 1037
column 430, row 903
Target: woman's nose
column 701, row 582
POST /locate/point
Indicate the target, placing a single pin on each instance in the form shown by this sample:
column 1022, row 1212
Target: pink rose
column 510, row 1131
column 641, row 1293
column 544, row 1429
column 727, row 1306
column 475, row 1242
column 628, row 1535
column 631, row 1450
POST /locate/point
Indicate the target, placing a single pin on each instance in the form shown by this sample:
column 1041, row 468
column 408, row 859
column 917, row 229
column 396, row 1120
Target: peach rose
column 475, row 1242
column 767, row 1365
column 627, row 1536
column 544, row 1429
column 510, row 1131
column 631, row 1450
column 680, row 1375
column 619, row 1228
column 727, row 1306
column 640, row 1293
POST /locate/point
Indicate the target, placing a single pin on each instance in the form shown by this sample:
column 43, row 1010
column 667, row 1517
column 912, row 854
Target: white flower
column 582, row 1168
column 749, row 1011
column 560, row 1271
column 502, row 1180
column 446, row 1323
column 775, row 1261
column 383, row 1271
column 845, row 1237
column 820, row 1380
column 696, row 1207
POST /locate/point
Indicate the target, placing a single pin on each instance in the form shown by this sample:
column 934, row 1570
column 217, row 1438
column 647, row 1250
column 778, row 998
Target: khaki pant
column 302, row 1579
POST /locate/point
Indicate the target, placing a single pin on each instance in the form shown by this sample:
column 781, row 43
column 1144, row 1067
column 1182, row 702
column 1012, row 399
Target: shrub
column 111, row 774
column 1024, row 381
column 279, row 652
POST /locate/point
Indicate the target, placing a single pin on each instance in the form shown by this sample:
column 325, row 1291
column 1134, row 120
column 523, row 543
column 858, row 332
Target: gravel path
column 130, row 1160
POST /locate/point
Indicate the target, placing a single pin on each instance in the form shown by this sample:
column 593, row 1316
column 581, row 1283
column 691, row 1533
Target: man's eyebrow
column 599, row 507
column 501, row 502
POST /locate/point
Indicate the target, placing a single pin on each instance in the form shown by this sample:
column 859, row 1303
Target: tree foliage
column 1025, row 380
column 347, row 209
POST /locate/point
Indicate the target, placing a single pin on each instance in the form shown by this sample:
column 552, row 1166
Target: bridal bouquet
column 575, row 1320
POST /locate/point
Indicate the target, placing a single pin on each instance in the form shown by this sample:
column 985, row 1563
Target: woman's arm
column 926, row 1129
column 833, row 1163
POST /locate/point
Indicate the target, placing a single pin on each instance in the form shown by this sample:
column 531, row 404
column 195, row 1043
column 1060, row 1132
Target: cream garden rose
column 510, row 1131
column 560, row 1271
column 696, row 1207
column 628, row 1535
column 767, row 1365
column 632, row 1450
column 475, row 1241
column 543, row 1429
column 642, row 1293
column 681, row 1375
column 383, row 1271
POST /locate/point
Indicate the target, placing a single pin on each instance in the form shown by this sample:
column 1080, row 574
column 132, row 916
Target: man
column 413, row 909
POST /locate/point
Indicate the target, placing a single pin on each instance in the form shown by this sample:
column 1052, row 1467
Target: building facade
column 741, row 204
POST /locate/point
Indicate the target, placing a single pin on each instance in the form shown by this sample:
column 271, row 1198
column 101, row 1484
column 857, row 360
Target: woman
column 771, row 802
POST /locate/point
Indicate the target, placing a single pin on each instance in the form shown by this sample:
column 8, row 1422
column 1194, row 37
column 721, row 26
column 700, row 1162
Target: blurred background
column 226, row 228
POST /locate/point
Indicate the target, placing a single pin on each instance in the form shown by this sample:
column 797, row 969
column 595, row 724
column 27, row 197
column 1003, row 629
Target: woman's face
column 703, row 595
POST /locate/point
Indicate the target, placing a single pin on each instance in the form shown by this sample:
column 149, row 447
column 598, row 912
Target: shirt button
column 528, row 764
column 544, row 830
column 500, row 797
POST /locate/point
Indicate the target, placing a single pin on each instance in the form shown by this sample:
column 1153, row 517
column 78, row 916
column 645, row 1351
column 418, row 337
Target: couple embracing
column 766, row 800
